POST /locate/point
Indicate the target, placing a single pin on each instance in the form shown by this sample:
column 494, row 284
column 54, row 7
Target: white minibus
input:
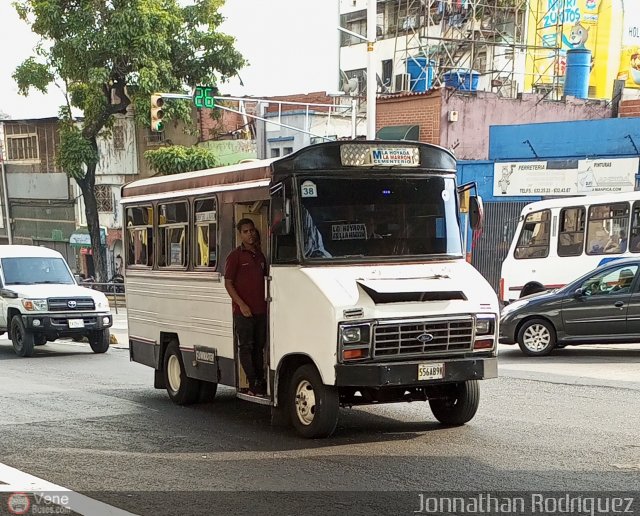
column 558, row 240
column 370, row 299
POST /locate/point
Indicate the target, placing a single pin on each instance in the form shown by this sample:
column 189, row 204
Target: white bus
column 558, row 240
column 369, row 297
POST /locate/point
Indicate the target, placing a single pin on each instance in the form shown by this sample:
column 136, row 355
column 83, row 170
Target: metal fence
column 501, row 219
column 113, row 290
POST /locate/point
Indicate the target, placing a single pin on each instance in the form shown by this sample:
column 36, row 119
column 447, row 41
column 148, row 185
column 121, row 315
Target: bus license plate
column 76, row 323
column 430, row 371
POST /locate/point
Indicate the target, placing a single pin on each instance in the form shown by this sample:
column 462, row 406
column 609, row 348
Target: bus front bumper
column 406, row 373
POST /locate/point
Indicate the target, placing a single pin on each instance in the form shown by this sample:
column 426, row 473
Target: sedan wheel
column 537, row 337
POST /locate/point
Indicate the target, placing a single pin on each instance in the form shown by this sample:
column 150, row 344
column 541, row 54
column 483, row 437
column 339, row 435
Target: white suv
column 40, row 301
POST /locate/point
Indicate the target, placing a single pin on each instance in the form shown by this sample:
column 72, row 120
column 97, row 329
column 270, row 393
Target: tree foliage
column 108, row 55
column 177, row 159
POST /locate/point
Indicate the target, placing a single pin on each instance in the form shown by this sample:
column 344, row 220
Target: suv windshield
column 347, row 218
column 32, row 271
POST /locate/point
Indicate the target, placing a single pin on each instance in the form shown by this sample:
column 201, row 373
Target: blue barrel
column 465, row 80
column 576, row 82
column 420, row 71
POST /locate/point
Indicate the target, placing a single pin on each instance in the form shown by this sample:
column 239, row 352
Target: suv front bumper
column 58, row 324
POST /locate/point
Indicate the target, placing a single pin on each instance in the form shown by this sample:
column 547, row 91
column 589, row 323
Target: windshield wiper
column 20, row 283
column 50, row 282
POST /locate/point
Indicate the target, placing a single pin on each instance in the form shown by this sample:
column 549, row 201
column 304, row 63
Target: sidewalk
column 119, row 329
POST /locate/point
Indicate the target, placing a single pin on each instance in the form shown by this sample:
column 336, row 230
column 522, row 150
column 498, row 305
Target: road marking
column 13, row 480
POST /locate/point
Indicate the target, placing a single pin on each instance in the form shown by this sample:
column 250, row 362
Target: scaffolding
column 485, row 36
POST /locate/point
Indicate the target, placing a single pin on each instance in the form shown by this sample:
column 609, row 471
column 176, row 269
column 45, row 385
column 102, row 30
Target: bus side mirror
column 281, row 216
column 476, row 212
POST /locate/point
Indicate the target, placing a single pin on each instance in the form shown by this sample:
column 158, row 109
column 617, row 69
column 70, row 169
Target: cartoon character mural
column 578, row 36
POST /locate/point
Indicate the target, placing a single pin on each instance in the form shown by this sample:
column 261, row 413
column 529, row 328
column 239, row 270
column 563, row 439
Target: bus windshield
column 357, row 218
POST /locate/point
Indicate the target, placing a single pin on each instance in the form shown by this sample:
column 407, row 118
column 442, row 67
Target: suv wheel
column 23, row 340
column 99, row 341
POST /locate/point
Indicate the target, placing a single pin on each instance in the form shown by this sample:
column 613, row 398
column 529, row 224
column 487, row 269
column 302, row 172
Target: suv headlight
column 35, row 305
column 354, row 341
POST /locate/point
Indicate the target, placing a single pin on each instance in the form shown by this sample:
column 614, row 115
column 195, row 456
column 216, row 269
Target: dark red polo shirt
column 247, row 271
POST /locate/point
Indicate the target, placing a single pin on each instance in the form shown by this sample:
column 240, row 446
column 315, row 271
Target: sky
column 291, row 45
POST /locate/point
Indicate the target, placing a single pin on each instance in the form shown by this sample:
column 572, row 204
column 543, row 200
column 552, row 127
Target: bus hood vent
column 352, row 313
column 411, row 296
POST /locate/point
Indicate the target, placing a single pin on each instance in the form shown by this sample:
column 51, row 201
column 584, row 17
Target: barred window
column 172, row 231
column 206, row 233
column 104, row 198
column 140, row 236
column 22, row 147
column 118, row 137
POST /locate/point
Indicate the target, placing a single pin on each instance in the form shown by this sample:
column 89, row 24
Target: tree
column 107, row 55
column 176, row 159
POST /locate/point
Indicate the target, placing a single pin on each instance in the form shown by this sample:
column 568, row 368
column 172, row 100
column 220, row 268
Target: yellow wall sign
column 609, row 29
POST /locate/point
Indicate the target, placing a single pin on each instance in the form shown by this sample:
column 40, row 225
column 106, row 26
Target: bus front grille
column 422, row 337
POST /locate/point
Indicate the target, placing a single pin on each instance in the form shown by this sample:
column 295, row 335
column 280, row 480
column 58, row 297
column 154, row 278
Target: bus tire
column 536, row 337
column 23, row 340
column 531, row 288
column 208, row 391
column 181, row 389
column 313, row 406
column 460, row 404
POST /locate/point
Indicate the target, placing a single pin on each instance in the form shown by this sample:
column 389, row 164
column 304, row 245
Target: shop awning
column 399, row 132
column 81, row 238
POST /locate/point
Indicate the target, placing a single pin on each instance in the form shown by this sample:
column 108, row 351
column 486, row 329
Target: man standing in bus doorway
column 244, row 274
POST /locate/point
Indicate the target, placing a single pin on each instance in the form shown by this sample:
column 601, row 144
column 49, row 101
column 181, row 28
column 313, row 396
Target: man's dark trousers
column 251, row 333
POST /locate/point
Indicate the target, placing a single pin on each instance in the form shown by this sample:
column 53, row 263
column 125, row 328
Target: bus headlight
column 483, row 326
column 485, row 333
column 355, row 342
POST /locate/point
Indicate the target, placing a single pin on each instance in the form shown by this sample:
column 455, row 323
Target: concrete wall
column 605, row 138
column 469, row 136
column 175, row 133
column 37, row 186
column 119, row 158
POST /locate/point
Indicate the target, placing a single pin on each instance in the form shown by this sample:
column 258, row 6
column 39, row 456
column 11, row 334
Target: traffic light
column 157, row 113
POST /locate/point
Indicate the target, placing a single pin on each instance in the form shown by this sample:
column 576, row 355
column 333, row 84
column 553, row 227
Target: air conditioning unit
column 402, row 82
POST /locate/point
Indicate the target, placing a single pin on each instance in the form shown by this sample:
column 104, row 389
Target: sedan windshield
column 379, row 217
column 32, row 271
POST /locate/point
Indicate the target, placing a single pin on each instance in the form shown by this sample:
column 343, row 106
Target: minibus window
column 534, row 237
column 571, row 237
column 173, row 222
column 206, row 238
column 608, row 229
column 139, row 236
column 386, row 217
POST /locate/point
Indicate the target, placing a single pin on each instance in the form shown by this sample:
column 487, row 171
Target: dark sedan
column 601, row 307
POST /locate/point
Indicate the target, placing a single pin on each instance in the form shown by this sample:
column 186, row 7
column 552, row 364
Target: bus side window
column 534, row 237
column 607, row 229
column 634, row 240
column 571, row 236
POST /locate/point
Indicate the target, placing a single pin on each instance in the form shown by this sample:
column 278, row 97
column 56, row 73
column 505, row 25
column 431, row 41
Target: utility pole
column 372, row 7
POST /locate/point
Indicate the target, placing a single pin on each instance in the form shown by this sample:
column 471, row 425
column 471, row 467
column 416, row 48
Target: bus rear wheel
column 531, row 288
column 459, row 405
column 313, row 406
column 181, row 389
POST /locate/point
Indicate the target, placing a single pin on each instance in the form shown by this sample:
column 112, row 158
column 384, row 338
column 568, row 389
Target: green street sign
column 203, row 97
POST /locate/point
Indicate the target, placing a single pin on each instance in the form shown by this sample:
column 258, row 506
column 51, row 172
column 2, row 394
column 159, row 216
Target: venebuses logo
column 18, row 503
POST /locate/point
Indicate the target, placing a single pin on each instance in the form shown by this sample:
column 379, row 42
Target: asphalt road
column 95, row 425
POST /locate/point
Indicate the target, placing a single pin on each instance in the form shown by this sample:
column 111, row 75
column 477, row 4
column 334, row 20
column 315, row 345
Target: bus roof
column 232, row 174
column 582, row 200
column 323, row 156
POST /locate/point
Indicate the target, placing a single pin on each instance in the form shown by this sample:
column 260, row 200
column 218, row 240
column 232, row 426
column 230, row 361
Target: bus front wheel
column 181, row 389
column 313, row 406
column 459, row 405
